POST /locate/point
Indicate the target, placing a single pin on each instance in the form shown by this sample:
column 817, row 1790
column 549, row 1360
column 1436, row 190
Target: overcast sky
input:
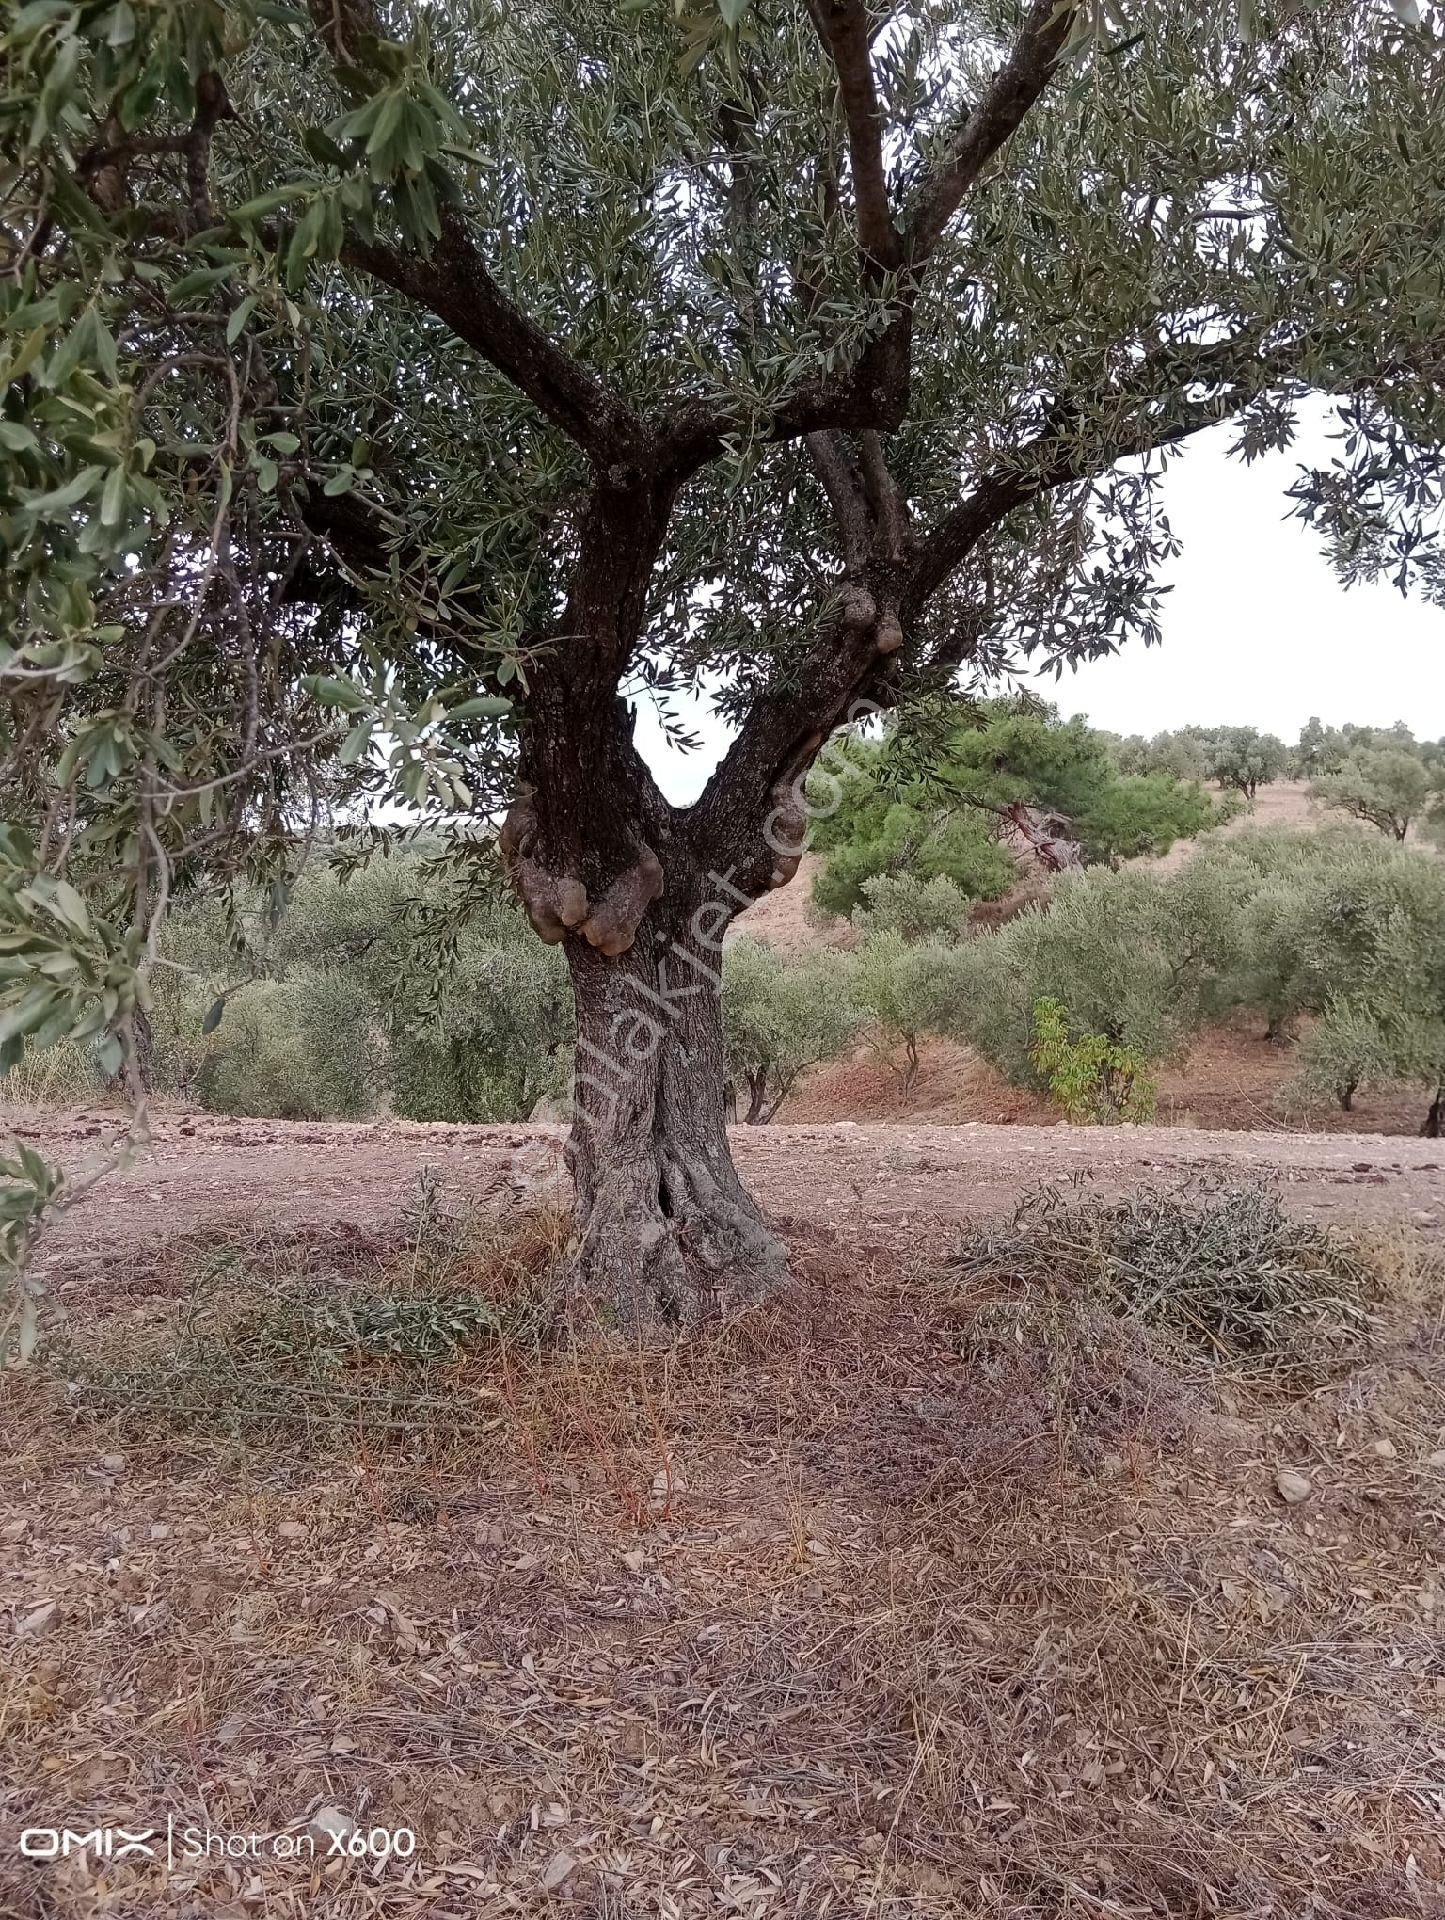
column 1257, row 630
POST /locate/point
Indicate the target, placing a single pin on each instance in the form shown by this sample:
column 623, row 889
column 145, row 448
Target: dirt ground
column 910, row 1596
column 888, row 1184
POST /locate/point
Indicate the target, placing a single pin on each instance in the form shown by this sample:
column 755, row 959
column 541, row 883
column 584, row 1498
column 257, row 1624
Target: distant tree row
column 1383, row 776
column 408, row 984
column 1334, row 939
column 1239, row 758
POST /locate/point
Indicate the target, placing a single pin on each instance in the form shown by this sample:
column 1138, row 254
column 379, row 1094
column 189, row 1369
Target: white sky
column 1257, row 631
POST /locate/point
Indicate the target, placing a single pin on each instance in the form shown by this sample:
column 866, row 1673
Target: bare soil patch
column 786, row 919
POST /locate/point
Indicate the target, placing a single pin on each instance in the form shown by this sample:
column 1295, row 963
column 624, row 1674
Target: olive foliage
column 388, row 986
column 781, row 1015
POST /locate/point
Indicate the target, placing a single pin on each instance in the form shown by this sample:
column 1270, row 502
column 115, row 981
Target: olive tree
column 1387, row 786
column 1245, row 759
column 904, row 987
column 916, row 909
column 781, row 1015
column 1136, row 960
column 385, row 982
column 1371, row 939
column 470, row 375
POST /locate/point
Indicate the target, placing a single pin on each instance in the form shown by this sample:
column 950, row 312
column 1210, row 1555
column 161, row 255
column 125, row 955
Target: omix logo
column 106, row 1843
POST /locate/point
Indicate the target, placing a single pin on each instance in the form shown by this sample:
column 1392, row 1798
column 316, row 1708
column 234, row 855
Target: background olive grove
column 402, row 977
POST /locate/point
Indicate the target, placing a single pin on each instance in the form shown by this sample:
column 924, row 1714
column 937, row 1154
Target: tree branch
column 455, row 284
column 1008, row 97
column 843, row 28
column 842, row 483
column 786, row 725
column 1053, row 460
column 890, row 513
column 873, row 392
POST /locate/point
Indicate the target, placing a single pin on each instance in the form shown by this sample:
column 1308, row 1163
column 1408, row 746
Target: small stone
column 333, row 1823
column 558, row 1872
column 1437, row 1458
column 1383, row 1449
column 113, row 1462
column 292, row 1529
column 38, row 1619
column 1293, row 1487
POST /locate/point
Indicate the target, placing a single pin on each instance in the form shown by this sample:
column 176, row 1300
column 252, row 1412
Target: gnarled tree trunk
column 667, row 1236
column 639, row 893
column 667, row 1232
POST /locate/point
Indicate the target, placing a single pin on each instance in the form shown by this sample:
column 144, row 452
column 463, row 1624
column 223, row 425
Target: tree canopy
column 965, row 794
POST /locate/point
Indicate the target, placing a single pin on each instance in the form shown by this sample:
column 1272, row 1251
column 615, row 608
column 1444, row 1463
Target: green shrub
column 914, row 908
column 294, row 1050
column 1137, row 959
column 780, row 1016
column 884, row 836
column 1088, row 1076
column 1347, row 927
column 1144, row 813
column 394, row 983
column 496, row 1039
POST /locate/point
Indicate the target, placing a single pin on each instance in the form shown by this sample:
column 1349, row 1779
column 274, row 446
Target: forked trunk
column 667, row 1237
column 667, row 1233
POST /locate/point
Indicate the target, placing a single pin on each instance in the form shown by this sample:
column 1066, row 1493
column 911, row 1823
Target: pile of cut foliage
column 1222, row 1268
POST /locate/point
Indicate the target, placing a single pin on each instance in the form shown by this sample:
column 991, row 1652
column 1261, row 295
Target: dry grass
column 55, row 1076
column 878, row 1603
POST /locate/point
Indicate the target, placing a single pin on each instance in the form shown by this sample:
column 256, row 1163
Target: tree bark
column 668, row 1237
